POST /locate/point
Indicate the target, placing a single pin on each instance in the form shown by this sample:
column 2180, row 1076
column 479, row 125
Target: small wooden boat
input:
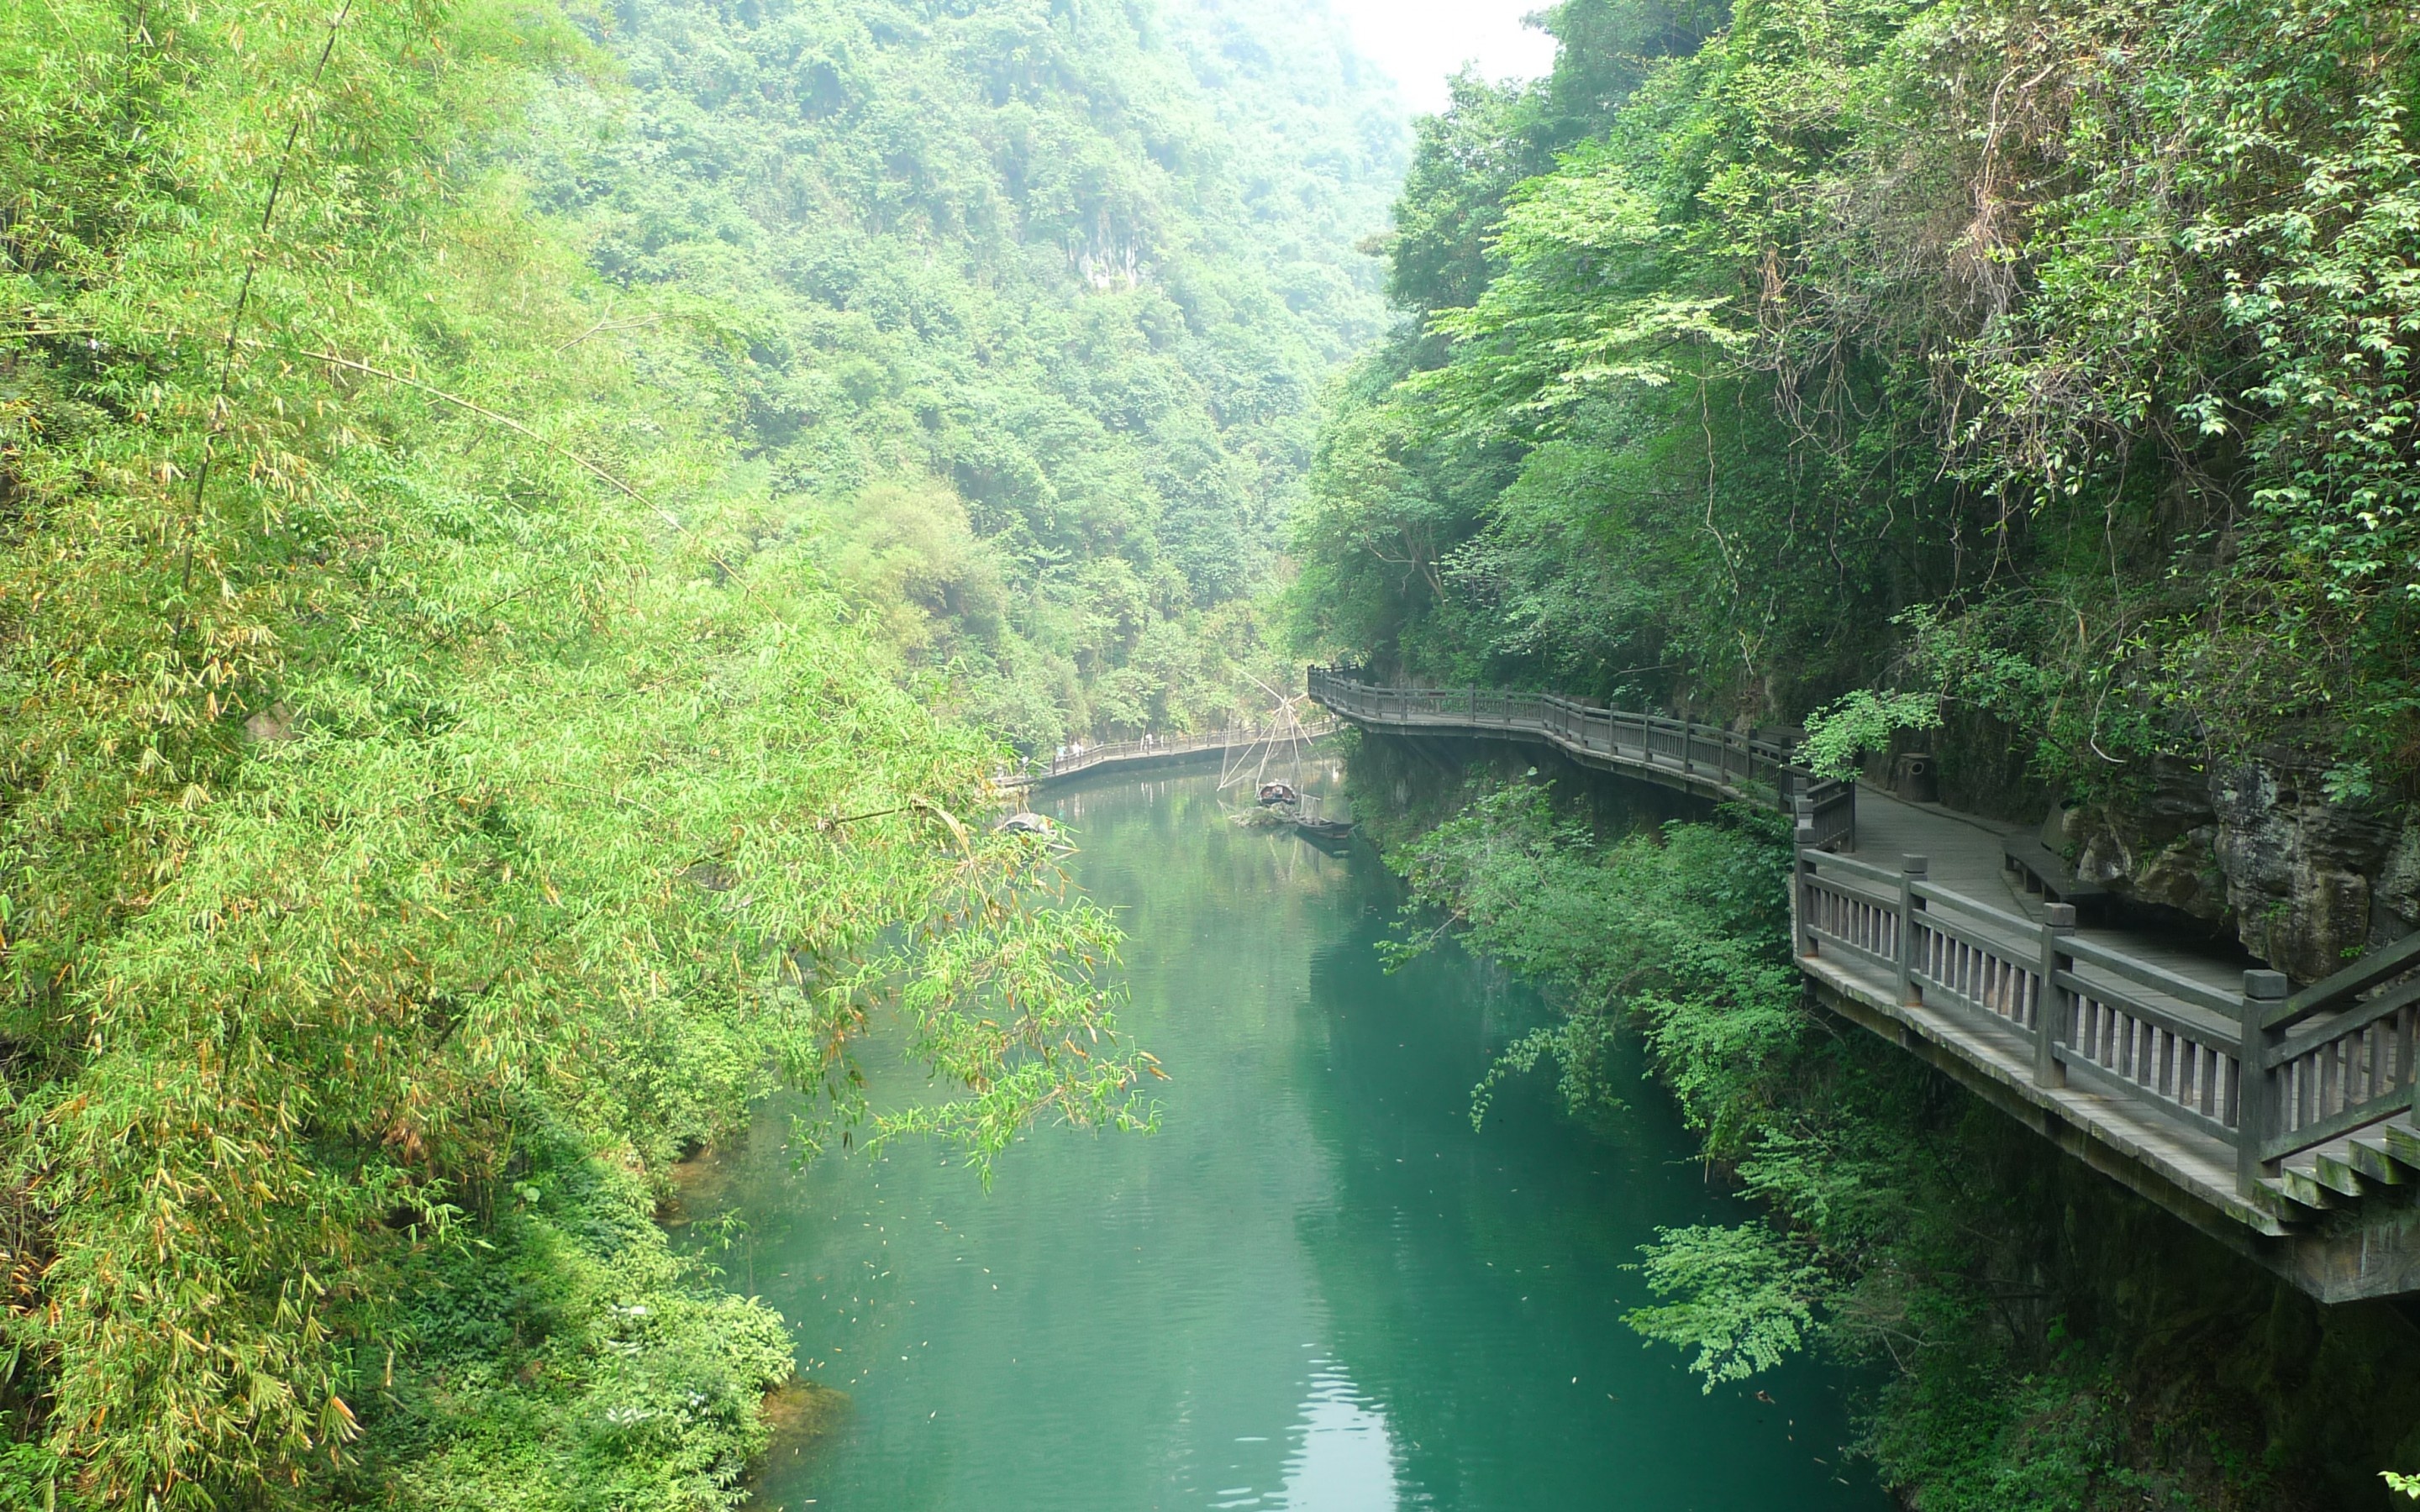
column 1278, row 795
column 1324, row 832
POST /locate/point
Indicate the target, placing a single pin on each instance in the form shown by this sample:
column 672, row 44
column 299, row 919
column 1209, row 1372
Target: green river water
column 1317, row 1289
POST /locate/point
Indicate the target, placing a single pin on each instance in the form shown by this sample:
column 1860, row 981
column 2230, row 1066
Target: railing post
column 2050, row 1007
column 1912, row 870
column 1800, row 892
column 2255, row 1088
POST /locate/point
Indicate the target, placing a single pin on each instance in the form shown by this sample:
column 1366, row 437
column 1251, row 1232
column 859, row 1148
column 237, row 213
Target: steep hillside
column 468, row 495
column 1029, row 308
column 2038, row 373
column 2031, row 381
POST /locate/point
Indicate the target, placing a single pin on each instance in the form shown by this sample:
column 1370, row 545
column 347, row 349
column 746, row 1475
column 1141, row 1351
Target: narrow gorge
column 1150, row 753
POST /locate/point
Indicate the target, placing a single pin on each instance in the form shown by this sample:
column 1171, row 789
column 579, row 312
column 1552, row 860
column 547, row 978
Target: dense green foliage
column 568, row 1359
column 2052, row 359
column 2041, row 369
column 442, row 778
column 2043, row 1340
column 1025, row 306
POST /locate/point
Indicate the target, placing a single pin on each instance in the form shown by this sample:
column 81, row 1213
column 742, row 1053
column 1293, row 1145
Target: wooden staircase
column 2375, row 1160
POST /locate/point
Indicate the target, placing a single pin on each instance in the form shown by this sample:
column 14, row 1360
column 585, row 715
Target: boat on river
column 1328, row 834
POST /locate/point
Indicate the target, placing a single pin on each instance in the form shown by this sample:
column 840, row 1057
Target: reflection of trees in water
column 1420, row 1205
column 1401, row 786
column 1240, row 1300
column 1148, row 1308
column 1469, row 1276
column 1176, row 864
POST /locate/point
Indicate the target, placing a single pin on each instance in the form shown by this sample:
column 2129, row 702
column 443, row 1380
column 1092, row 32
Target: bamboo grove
column 438, row 787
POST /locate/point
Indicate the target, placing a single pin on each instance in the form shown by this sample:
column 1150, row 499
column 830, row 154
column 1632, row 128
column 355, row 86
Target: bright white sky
column 1421, row 42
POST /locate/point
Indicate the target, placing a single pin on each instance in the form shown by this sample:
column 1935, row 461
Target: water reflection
column 1339, row 1457
column 1319, row 1289
column 1344, row 1462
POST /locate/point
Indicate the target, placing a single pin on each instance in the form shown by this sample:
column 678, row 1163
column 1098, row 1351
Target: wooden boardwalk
column 1963, row 858
column 1129, row 754
column 2127, row 1050
column 1706, row 760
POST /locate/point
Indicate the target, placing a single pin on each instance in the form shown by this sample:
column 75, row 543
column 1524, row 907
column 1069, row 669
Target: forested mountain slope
column 1027, row 307
column 456, row 464
column 2046, row 363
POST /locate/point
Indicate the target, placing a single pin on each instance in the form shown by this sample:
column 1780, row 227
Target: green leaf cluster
column 1741, row 1299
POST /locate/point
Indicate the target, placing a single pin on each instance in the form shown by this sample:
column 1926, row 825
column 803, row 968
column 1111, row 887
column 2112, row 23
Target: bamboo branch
column 474, row 406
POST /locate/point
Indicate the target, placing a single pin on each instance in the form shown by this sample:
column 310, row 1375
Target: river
column 1316, row 1288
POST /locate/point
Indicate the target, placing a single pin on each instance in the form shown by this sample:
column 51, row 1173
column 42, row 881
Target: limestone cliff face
column 2256, row 847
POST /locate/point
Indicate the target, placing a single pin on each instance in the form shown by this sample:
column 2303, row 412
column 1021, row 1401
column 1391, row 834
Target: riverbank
column 2044, row 1338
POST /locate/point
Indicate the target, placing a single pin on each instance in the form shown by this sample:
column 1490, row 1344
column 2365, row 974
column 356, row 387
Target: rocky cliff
column 2258, row 849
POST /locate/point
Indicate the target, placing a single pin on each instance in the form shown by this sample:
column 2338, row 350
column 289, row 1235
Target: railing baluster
column 2398, row 1039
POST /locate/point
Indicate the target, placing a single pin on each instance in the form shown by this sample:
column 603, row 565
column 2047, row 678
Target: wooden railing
column 2351, row 1062
column 1705, row 756
column 2130, row 1027
column 2323, row 1062
column 1155, row 747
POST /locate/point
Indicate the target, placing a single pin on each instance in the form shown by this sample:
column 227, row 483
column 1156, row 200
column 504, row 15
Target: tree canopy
column 2050, row 360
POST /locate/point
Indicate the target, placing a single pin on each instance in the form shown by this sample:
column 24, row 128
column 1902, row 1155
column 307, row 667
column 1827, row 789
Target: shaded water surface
column 1317, row 1289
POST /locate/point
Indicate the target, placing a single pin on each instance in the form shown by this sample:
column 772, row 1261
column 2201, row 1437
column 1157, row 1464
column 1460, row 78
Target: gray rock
column 2255, row 846
column 2185, row 874
column 2297, row 866
column 2394, row 898
column 2158, row 848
